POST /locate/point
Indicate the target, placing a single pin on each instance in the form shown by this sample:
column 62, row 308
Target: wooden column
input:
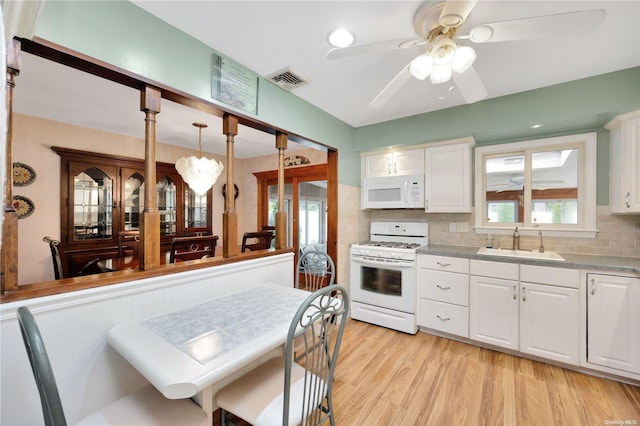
column 230, row 245
column 150, row 227
column 9, row 272
column 281, row 214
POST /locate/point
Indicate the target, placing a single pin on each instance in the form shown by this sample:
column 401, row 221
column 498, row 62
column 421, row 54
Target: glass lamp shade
column 421, row 66
column 465, row 57
column 199, row 173
column 441, row 73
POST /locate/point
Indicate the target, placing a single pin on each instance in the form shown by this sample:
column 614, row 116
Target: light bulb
column 421, row 66
column 463, row 59
column 441, row 73
column 443, row 51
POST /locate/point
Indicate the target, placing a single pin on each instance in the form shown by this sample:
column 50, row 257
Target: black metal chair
column 260, row 240
column 88, row 268
column 285, row 392
column 147, row 406
column 189, row 248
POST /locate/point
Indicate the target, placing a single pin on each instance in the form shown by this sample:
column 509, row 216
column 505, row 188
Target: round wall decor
column 24, row 206
column 224, row 191
column 23, row 174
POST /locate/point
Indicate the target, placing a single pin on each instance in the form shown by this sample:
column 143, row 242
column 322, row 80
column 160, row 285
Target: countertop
column 572, row 261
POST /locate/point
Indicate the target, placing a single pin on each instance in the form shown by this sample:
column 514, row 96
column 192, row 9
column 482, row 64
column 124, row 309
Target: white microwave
column 393, row 192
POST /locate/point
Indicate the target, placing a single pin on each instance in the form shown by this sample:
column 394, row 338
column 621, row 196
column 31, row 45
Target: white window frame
column 586, row 143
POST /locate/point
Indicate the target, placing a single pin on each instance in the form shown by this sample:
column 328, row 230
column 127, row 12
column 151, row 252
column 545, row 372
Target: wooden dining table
column 126, row 262
column 186, row 352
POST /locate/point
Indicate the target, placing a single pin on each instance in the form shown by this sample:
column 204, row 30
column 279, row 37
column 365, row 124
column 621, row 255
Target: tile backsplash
column 618, row 235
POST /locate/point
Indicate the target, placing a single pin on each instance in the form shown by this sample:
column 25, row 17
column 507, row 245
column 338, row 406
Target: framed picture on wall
column 234, row 84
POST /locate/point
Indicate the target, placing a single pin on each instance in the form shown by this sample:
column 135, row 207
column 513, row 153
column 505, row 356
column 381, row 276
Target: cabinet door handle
column 443, row 288
column 515, row 292
column 627, row 199
column 395, row 168
column 524, row 294
column 593, row 287
column 426, row 204
column 442, row 318
column 444, row 265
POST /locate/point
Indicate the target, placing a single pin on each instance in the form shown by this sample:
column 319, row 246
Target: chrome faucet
column 541, row 249
column 516, row 240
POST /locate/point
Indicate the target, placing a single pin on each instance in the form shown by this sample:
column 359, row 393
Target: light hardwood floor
column 388, row 378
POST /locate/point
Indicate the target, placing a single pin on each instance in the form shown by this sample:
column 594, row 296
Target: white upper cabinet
column 624, row 163
column 448, row 178
column 404, row 162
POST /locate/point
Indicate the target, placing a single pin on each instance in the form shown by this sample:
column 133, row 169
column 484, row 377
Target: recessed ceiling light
column 340, row 38
column 536, row 126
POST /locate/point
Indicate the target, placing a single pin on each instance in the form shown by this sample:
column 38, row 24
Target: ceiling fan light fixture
column 443, row 51
column 463, row 59
column 341, row 38
column 441, row 73
column 421, row 66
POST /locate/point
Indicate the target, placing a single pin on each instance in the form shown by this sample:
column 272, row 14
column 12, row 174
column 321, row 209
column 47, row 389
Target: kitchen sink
column 524, row 254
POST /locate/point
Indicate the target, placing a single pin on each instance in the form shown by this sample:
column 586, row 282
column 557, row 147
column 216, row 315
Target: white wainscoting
column 89, row 373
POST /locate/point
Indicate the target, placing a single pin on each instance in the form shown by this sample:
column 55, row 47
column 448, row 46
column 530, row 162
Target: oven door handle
column 373, row 261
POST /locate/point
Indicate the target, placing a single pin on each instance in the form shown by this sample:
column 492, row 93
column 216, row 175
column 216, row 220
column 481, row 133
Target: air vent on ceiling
column 287, row 79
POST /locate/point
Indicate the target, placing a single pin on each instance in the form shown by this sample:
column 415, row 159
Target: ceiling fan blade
column 560, row 25
column 455, row 12
column 362, row 49
column 470, row 86
column 390, row 89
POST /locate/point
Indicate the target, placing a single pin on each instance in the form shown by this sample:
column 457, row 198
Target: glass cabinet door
column 92, row 203
column 133, row 199
column 166, row 199
column 195, row 209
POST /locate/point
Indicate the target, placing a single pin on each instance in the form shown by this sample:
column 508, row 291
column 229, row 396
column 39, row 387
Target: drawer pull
column 443, row 319
column 443, row 288
column 444, row 265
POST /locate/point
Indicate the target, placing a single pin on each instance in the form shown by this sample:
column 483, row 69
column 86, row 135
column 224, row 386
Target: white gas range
column 383, row 274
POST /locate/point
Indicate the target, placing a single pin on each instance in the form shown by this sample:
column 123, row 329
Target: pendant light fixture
column 199, row 173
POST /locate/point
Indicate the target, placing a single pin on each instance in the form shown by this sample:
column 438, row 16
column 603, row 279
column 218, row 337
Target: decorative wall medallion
column 224, row 191
column 23, row 174
column 296, row 160
column 24, row 206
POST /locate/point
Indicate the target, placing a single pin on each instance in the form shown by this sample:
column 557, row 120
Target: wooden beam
column 9, row 255
column 230, row 246
column 281, row 215
column 150, row 98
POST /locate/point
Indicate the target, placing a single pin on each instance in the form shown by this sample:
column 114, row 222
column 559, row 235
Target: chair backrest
column 41, row 367
column 128, row 243
column 259, row 240
column 189, row 248
column 319, row 324
column 55, row 256
column 315, row 270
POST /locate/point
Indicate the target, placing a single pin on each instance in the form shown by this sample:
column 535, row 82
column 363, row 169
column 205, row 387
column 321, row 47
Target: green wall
column 120, row 33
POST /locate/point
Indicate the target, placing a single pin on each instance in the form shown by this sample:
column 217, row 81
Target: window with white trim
column 547, row 184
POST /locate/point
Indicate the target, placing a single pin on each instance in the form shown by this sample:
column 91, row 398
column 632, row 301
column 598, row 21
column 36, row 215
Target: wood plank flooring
column 386, row 377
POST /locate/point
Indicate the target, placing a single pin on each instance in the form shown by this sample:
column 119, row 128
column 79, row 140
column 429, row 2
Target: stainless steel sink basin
column 524, row 254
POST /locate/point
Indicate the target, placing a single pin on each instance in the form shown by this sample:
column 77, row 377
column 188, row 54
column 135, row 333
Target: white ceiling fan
column 516, row 182
column 436, row 24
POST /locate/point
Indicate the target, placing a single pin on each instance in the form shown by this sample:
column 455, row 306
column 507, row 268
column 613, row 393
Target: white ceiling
column 268, row 36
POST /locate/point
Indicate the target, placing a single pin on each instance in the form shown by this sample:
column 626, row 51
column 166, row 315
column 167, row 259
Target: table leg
column 204, row 398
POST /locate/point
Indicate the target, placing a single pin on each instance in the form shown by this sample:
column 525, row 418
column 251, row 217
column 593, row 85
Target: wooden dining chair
column 259, row 240
column 298, row 392
column 196, row 232
column 128, row 243
column 190, row 248
column 56, row 256
column 144, row 407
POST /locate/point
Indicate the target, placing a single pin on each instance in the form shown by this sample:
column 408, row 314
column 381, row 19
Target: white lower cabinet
column 443, row 294
column 613, row 322
column 541, row 319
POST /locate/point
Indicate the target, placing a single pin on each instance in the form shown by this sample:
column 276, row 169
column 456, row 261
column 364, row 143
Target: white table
column 183, row 353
